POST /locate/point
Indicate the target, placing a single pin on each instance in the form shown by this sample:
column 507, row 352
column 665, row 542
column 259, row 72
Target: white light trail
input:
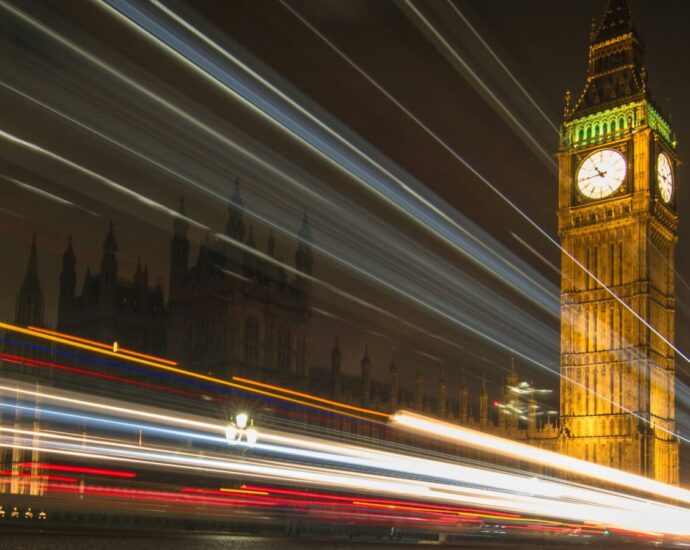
column 634, row 515
column 498, row 60
column 478, row 486
column 521, row 451
column 368, row 174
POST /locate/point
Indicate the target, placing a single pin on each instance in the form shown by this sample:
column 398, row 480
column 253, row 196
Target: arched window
column 251, row 342
column 613, row 125
column 596, row 129
column 605, row 129
column 580, row 135
column 621, row 123
column 589, row 132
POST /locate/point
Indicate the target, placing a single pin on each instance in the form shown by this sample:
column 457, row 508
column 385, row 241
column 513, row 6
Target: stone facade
column 618, row 375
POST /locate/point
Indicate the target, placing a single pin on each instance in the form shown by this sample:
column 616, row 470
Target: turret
column 532, row 409
column 179, row 254
column 139, row 278
column 234, row 228
column 30, row 307
column 463, row 400
column 510, row 419
column 68, row 280
column 271, row 245
column 109, row 259
column 366, row 378
column 141, row 284
column 304, row 259
column 418, row 389
column 394, row 385
column 484, row 406
column 442, row 395
column 335, row 370
column 204, row 261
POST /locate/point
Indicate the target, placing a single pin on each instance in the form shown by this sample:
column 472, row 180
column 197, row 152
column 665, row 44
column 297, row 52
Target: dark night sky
column 542, row 42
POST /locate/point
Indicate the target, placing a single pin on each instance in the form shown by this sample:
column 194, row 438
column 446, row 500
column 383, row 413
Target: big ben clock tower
column 617, row 221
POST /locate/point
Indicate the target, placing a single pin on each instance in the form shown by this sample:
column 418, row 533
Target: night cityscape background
column 319, row 213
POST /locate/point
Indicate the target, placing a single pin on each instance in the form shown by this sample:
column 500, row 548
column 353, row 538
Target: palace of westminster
column 230, row 312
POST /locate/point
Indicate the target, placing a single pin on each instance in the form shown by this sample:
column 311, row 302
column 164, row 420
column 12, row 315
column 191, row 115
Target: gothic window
column 580, row 135
column 593, row 345
column 621, row 123
column 596, row 129
column 251, row 342
column 605, row 129
column 284, row 350
column 589, row 132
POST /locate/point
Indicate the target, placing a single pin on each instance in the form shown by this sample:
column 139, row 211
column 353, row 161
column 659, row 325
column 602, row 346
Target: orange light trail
column 309, row 396
column 70, row 341
column 222, row 490
column 121, row 351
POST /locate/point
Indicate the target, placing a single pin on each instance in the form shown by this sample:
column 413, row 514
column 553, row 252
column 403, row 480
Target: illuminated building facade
column 617, row 221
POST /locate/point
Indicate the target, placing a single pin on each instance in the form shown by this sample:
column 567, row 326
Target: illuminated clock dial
column 664, row 177
column 601, row 174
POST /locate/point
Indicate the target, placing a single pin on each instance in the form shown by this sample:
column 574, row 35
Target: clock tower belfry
column 618, row 227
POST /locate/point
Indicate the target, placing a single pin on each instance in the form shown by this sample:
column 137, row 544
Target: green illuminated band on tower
column 616, row 122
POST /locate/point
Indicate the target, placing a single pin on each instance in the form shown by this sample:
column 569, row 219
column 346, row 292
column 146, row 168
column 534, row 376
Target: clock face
column 601, row 174
column 664, row 177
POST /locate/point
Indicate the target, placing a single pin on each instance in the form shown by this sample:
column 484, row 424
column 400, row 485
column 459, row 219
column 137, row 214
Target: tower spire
column 617, row 21
column 615, row 74
column 234, row 228
column 304, row 260
column 180, row 225
column 32, row 267
column 366, row 377
column 335, row 369
column 394, row 388
column 68, row 280
column 30, row 301
column 179, row 254
column 109, row 260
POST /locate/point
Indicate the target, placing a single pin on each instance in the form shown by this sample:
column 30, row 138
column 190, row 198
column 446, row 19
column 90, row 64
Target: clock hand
column 599, row 175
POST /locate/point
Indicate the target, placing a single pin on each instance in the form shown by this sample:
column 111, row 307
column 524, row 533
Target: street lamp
column 241, row 428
